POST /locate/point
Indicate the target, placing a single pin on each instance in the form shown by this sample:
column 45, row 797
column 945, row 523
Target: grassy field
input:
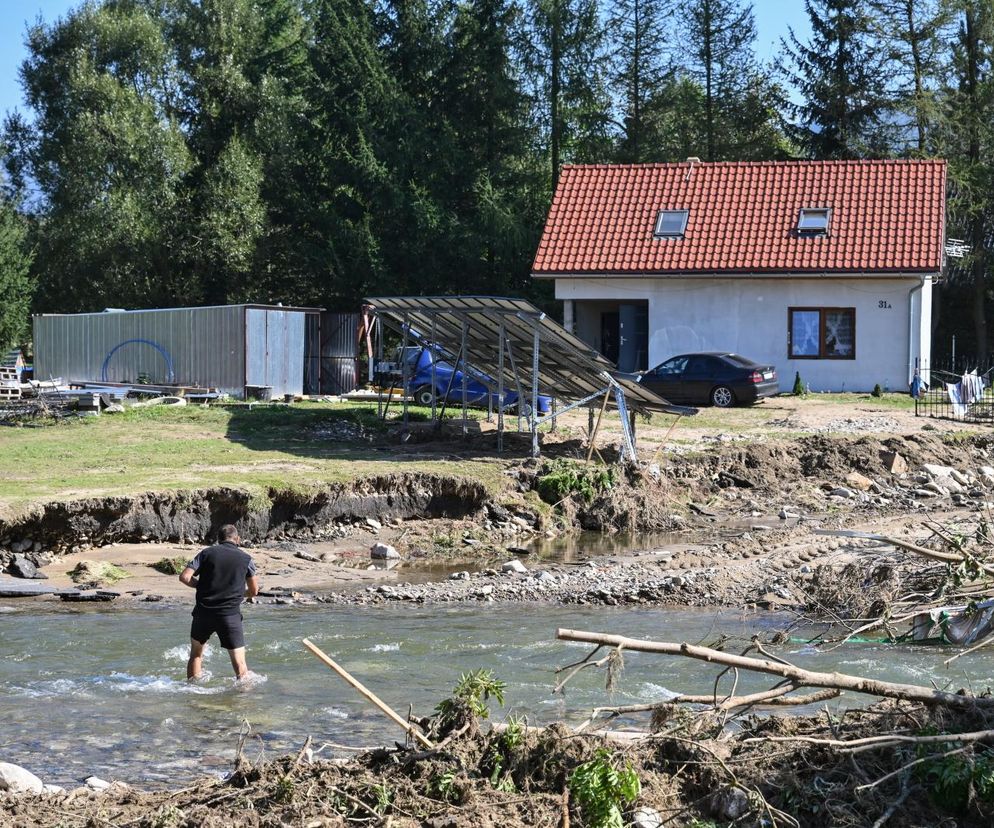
column 161, row 448
column 256, row 447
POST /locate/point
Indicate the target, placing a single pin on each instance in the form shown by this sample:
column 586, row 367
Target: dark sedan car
column 719, row 378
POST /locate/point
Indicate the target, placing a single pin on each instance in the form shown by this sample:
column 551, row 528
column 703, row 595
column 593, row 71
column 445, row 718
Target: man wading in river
column 223, row 576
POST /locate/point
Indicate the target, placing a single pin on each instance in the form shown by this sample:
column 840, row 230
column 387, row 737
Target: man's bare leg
column 237, row 657
column 195, row 662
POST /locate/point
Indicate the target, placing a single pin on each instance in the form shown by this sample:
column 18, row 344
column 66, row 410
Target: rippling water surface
column 102, row 691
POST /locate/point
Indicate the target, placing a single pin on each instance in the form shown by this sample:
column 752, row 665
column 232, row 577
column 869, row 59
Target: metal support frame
column 502, row 334
column 517, row 380
column 379, row 358
column 434, row 382
column 577, row 404
column 465, row 376
column 536, row 345
column 405, row 370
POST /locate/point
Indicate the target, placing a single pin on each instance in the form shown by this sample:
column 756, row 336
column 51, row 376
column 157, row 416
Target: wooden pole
column 666, row 437
column 593, row 436
column 368, row 694
column 801, row 677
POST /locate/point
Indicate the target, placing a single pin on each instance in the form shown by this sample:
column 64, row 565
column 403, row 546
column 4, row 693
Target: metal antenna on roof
column 691, row 160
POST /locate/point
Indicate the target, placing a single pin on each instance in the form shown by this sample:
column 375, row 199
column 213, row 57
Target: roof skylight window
column 671, row 224
column 813, row 221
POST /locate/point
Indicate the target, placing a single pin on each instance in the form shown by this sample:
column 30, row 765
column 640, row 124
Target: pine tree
column 967, row 140
column 914, row 32
column 841, row 78
column 567, row 44
column 495, row 185
column 639, row 35
column 739, row 101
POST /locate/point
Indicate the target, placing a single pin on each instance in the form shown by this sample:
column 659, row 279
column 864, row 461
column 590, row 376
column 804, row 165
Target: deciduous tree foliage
column 15, row 281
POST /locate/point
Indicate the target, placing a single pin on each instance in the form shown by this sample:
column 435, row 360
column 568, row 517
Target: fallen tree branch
column 945, row 557
column 801, row 677
column 887, row 740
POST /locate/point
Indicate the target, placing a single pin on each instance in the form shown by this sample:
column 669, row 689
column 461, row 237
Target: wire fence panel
column 965, row 394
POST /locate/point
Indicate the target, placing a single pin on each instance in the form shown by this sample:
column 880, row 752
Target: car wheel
column 722, row 397
column 424, row 395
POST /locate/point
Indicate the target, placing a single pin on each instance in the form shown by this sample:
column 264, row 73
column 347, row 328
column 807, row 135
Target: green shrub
column 877, row 390
column 601, row 787
column 565, row 478
column 799, row 389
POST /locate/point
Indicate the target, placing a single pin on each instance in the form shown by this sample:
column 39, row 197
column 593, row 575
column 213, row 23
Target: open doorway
column 619, row 330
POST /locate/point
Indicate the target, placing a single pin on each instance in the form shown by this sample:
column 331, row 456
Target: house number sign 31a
column 883, row 303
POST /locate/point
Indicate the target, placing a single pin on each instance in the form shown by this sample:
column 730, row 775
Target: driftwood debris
column 368, row 694
column 796, row 675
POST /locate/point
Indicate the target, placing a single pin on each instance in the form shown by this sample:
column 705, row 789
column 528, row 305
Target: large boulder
column 383, row 551
column 21, row 567
column 16, row 779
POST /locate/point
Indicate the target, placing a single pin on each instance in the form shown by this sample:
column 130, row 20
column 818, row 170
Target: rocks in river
column 382, row 551
column 16, row 779
column 514, row 565
column 95, row 783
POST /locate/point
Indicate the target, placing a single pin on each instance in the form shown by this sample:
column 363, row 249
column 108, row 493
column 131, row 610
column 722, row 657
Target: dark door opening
column 609, row 335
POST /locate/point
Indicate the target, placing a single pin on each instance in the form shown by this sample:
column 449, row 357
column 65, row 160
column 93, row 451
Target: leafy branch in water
column 473, row 690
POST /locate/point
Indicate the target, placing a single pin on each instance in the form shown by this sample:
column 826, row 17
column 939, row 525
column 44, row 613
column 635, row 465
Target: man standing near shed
column 223, row 576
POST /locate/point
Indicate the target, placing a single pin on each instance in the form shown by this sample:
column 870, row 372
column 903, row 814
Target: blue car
column 424, row 392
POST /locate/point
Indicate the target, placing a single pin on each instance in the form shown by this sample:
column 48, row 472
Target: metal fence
column 964, row 394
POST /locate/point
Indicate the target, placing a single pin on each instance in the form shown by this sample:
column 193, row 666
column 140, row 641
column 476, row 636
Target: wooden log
column 799, row 676
column 368, row 694
column 600, row 416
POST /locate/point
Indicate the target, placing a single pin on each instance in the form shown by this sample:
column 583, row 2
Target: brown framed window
column 821, row 333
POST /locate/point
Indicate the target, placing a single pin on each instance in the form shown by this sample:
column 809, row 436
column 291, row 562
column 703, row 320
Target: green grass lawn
column 161, row 448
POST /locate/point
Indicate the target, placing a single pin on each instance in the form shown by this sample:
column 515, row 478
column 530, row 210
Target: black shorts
column 227, row 627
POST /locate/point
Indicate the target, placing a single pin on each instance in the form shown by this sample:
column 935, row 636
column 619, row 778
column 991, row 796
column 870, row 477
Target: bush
column 563, row 479
column 799, row 389
column 602, row 786
column 877, row 390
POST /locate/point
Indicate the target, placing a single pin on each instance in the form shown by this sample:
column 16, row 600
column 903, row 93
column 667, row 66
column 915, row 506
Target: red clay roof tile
column 886, row 216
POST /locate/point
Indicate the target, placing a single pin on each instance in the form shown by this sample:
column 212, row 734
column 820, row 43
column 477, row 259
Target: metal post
column 500, row 389
column 517, row 382
column 465, row 377
column 590, row 421
column 379, row 359
column 534, row 417
column 404, row 369
column 553, row 413
column 434, row 384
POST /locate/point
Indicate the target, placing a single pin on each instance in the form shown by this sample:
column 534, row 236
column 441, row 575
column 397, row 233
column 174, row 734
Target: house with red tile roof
column 820, row 267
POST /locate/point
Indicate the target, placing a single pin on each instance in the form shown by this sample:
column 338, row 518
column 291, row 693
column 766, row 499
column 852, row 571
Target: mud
column 693, row 771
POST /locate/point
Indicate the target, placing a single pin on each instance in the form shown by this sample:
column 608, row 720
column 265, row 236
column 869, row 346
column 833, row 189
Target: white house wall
column 749, row 316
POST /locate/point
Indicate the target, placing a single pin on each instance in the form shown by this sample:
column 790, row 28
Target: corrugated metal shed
column 226, row 347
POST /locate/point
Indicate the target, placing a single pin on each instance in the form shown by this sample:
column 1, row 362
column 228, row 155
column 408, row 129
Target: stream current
column 102, row 690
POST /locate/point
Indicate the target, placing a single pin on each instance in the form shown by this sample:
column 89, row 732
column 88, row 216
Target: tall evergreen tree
column 567, row 46
column 914, row 32
column 968, row 141
column 495, row 185
column 738, row 116
column 639, row 33
column 842, row 80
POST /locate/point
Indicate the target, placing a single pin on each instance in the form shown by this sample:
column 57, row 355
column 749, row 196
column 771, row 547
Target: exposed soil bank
column 196, row 515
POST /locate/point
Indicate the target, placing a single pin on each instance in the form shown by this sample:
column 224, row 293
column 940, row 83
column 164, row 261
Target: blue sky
column 772, row 19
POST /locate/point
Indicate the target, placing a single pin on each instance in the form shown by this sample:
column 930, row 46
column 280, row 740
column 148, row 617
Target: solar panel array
column 569, row 369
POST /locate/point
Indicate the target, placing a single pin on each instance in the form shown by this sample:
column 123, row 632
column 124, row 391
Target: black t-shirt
column 221, row 574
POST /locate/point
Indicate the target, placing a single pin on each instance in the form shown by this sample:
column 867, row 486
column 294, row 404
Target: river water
column 102, row 690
